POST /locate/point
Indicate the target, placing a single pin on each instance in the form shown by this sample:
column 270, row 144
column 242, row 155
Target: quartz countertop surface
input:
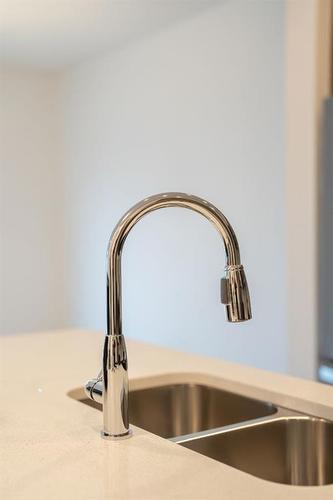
column 51, row 446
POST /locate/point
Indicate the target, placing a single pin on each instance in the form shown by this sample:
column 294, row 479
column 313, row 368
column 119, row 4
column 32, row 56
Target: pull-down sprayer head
column 235, row 294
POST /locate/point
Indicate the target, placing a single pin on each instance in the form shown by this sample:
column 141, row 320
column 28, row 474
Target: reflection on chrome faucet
column 111, row 385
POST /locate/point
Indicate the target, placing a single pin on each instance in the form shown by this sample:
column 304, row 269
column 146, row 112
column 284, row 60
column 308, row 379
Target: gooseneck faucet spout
column 111, row 386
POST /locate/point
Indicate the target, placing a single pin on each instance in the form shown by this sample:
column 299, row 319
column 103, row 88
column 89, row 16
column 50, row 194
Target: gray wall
column 326, row 237
column 31, row 202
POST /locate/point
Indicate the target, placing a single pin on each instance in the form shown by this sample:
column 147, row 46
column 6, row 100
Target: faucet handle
column 94, row 389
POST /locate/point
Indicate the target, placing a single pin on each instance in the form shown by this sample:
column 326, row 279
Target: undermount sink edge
column 289, row 448
column 262, row 439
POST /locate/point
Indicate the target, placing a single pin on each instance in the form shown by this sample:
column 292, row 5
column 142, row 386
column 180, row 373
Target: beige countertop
column 50, row 443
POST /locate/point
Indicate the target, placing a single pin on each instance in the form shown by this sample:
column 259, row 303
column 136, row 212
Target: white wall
column 199, row 107
column 32, row 292
column 308, row 83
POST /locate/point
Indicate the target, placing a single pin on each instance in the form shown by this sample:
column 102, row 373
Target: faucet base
column 119, row 437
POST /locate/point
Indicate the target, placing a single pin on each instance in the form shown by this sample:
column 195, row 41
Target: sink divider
column 281, row 413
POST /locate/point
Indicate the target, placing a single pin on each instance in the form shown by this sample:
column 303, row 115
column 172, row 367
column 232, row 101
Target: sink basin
column 291, row 450
column 175, row 410
column 179, row 409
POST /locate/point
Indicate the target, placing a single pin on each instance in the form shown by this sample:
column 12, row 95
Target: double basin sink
column 262, row 439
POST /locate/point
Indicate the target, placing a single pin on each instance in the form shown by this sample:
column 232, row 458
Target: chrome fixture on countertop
column 112, row 382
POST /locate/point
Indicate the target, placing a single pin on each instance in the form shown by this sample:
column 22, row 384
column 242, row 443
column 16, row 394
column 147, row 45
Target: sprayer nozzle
column 235, row 294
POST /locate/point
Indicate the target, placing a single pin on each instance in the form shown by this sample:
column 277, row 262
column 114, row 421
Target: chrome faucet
column 111, row 385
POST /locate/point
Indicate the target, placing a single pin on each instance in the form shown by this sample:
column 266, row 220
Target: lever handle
column 94, row 389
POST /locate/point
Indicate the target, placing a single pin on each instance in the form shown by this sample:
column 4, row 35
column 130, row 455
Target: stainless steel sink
column 178, row 409
column 295, row 450
column 175, row 410
column 267, row 441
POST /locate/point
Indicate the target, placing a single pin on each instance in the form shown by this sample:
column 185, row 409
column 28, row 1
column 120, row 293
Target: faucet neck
column 126, row 223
